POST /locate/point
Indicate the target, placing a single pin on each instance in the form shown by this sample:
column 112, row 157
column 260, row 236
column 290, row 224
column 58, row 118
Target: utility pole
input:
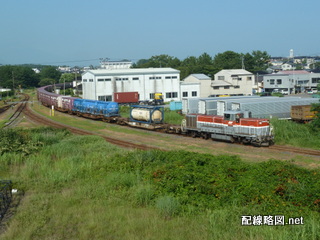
column 13, row 84
column 242, row 62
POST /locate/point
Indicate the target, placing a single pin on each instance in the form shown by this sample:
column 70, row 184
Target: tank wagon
column 231, row 127
column 150, row 117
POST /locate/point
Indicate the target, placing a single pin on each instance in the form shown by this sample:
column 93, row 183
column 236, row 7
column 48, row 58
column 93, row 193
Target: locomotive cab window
column 227, row 116
column 233, row 116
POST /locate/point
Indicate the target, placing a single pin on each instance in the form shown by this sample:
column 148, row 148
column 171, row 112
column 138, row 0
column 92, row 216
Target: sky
column 79, row 33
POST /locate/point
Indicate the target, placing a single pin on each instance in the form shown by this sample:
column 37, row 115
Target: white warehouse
column 101, row 84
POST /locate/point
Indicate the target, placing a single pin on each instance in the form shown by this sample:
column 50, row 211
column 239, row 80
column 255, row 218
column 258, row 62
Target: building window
column 122, row 79
column 171, row 95
column 84, row 80
column 105, row 98
column 184, row 94
column 239, row 79
column 236, row 86
column 90, row 80
column 108, row 79
column 271, row 81
column 135, row 78
column 171, row 77
column 279, row 81
column 249, row 78
column 226, row 87
column 152, row 78
column 315, row 80
column 194, row 93
column 216, row 88
column 100, row 79
column 220, row 77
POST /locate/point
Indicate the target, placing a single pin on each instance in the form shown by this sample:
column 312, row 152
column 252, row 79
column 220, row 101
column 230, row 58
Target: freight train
column 234, row 126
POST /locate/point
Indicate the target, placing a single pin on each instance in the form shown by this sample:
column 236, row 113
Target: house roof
column 201, row 76
column 234, row 72
column 294, row 72
column 133, row 71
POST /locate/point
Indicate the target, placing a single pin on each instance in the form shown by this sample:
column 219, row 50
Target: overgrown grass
column 80, row 187
column 295, row 134
column 172, row 117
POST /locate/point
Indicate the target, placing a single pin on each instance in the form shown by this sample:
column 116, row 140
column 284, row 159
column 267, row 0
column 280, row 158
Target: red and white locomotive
column 234, row 126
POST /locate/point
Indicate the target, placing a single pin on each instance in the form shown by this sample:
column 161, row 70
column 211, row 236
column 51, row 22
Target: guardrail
column 5, row 196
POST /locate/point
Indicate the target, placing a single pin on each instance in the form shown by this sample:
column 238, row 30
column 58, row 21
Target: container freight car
column 126, row 97
column 302, row 113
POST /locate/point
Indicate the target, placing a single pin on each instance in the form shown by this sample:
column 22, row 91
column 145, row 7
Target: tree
column 13, row 76
column 227, row 60
column 316, row 65
column 46, row 81
column 261, row 60
column 159, row 61
column 67, row 77
column 50, row 72
column 205, row 59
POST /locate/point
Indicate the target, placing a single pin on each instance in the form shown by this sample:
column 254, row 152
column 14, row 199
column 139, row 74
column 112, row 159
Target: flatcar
column 231, row 127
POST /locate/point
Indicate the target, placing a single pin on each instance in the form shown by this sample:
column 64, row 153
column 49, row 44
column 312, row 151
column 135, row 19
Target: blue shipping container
column 175, row 105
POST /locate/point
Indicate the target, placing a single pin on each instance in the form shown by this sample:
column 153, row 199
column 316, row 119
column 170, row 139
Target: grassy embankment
column 295, row 134
column 80, row 187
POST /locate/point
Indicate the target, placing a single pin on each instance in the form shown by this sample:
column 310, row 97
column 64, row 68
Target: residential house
column 233, row 82
column 196, row 85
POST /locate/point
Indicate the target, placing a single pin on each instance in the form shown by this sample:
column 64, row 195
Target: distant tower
column 291, row 53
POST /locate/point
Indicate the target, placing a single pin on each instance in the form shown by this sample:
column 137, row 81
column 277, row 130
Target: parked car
column 284, row 92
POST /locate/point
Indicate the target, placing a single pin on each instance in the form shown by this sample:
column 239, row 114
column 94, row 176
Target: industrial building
column 101, row 84
column 291, row 81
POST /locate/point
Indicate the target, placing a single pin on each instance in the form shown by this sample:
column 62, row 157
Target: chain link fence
column 5, row 196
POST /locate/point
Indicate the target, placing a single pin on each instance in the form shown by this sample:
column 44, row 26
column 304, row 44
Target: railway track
column 4, row 108
column 45, row 121
column 21, row 106
column 295, row 150
column 42, row 120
